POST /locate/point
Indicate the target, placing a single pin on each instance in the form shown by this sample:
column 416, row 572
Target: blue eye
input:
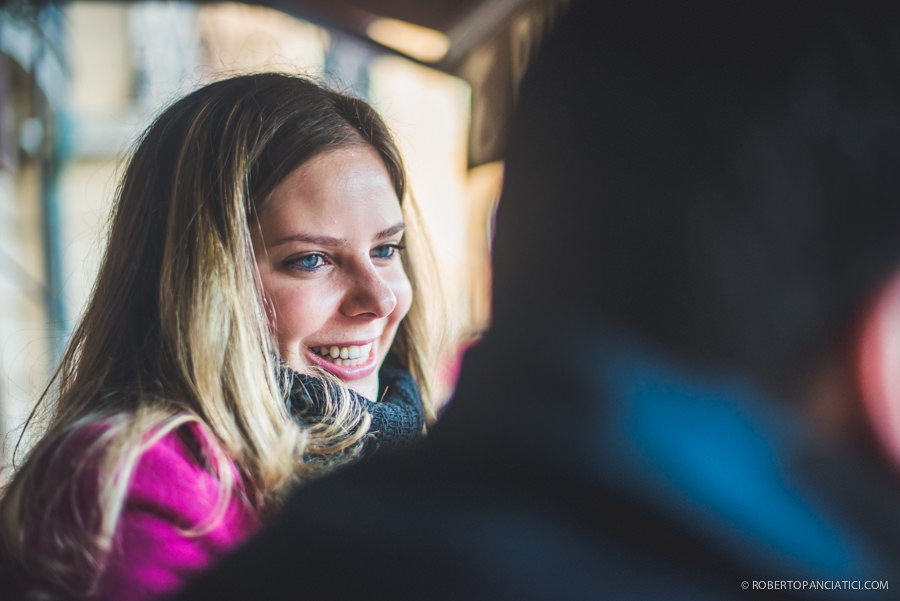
column 310, row 262
column 386, row 251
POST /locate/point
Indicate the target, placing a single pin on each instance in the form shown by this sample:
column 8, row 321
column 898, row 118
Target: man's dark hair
column 723, row 178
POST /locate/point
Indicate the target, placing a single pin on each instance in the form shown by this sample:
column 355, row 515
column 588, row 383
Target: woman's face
column 328, row 251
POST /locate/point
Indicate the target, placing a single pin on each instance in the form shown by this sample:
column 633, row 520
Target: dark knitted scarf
column 397, row 418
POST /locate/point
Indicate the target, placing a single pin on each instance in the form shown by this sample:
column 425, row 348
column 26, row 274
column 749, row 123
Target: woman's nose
column 368, row 294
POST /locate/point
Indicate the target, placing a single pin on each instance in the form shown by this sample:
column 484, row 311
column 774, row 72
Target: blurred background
column 79, row 81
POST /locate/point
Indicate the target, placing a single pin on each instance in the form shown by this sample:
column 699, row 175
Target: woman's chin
column 369, row 390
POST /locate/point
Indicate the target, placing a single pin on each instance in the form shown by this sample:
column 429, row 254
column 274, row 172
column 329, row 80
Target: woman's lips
column 345, row 355
column 349, row 362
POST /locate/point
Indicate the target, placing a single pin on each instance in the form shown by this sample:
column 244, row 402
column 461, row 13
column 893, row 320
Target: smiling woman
column 260, row 317
column 328, row 250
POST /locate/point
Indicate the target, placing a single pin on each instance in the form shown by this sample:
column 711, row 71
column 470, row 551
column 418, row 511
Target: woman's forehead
column 344, row 189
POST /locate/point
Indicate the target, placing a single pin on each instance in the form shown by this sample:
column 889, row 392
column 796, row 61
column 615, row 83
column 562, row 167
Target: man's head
column 723, row 179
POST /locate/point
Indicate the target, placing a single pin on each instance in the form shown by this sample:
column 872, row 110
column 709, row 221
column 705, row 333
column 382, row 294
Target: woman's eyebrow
column 311, row 239
column 391, row 231
column 331, row 241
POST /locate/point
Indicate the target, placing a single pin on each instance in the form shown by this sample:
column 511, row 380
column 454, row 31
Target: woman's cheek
column 291, row 317
column 404, row 295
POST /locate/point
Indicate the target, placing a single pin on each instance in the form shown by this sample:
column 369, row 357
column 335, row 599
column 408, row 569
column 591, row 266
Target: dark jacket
column 584, row 465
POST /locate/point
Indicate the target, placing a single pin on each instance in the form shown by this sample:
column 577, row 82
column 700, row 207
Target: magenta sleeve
column 170, row 494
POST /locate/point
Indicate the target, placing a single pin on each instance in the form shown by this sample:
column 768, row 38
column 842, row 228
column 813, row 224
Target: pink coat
column 170, row 492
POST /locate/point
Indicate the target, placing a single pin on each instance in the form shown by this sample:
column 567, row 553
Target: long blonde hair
column 176, row 329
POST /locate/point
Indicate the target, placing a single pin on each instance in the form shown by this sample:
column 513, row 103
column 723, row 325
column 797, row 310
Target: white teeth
column 345, row 355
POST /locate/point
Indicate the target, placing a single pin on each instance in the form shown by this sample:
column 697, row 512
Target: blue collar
column 713, row 454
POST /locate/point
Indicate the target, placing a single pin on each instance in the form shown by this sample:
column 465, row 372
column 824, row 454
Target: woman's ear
column 879, row 367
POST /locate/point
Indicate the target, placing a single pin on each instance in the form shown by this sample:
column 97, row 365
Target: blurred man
column 690, row 387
